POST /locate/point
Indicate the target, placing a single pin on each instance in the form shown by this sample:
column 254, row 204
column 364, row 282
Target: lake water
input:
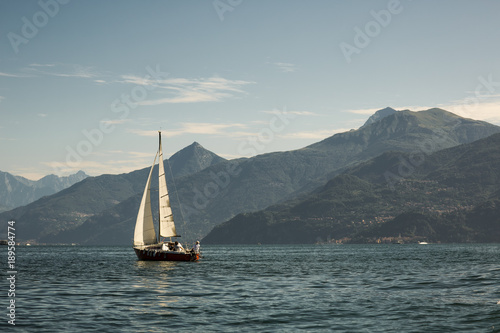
column 342, row 288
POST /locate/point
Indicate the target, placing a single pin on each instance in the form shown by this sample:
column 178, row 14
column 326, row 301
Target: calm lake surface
column 342, row 288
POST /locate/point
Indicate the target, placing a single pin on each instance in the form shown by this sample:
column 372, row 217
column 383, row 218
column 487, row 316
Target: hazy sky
column 87, row 84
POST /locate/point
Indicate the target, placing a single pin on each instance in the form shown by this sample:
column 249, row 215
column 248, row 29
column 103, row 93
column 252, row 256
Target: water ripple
column 350, row 288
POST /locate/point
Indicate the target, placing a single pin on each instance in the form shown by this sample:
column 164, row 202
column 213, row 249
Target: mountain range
column 448, row 196
column 69, row 208
column 102, row 210
column 18, row 191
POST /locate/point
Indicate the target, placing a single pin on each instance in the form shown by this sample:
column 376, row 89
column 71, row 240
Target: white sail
column 167, row 226
column 144, row 233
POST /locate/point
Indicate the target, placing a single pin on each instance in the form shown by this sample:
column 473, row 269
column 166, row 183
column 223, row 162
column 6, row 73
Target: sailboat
column 147, row 244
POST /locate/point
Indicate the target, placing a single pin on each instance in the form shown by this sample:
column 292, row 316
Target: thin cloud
column 58, row 70
column 196, row 128
column 42, row 65
column 138, row 154
column 363, row 111
column 142, row 132
column 207, row 128
column 296, row 113
column 371, row 111
column 115, row 121
column 187, row 96
column 63, row 70
column 14, row 75
column 285, row 67
column 486, row 110
column 182, row 90
column 231, row 156
column 132, row 154
column 137, row 80
column 304, row 113
column 83, row 73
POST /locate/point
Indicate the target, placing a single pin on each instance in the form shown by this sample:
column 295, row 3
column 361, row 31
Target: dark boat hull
column 159, row 255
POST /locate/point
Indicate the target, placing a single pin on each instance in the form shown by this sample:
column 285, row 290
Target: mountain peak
column 74, row 178
column 81, row 173
column 17, row 191
column 192, row 158
column 195, row 145
column 388, row 111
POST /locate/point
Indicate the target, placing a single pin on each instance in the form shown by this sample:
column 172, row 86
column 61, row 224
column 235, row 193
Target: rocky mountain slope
column 227, row 188
column 449, row 196
column 18, row 191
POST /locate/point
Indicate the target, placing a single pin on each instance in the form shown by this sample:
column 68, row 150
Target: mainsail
column 167, row 226
column 144, row 233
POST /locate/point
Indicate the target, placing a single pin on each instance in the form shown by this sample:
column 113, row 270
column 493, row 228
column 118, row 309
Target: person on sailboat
column 196, row 248
column 178, row 247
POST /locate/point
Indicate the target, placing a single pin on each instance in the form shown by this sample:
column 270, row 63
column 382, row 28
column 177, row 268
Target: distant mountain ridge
column 450, row 196
column 227, row 188
column 17, row 191
column 71, row 207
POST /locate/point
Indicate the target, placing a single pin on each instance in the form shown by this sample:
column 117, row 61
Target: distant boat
column 399, row 240
column 423, row 243
column 148, row 245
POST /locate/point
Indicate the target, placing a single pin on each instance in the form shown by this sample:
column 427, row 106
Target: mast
column 160, row 174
